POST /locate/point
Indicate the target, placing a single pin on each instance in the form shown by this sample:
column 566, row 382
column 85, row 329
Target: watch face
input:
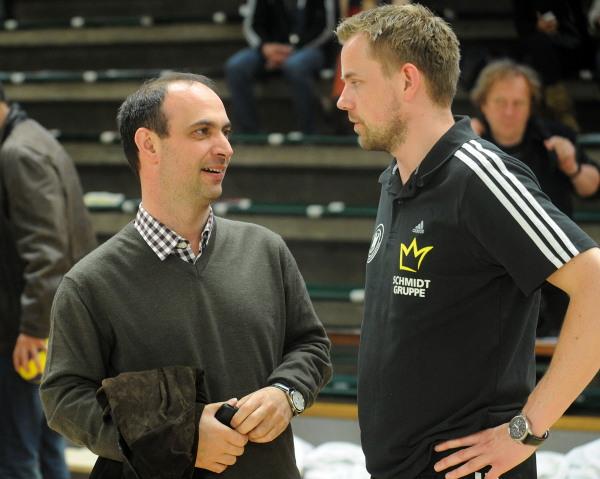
column 298, row 401
column 518, row 427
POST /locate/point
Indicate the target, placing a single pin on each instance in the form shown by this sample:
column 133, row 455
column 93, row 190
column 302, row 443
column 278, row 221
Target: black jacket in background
column 277, row 20
column 569, row 14
column 572, row 35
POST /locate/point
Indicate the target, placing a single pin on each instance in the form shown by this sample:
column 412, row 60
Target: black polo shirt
column 451, row 305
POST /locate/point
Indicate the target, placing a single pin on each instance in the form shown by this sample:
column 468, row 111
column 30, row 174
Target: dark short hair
column 143, row 109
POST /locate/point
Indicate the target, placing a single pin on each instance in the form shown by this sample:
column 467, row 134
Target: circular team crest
column 375, row 242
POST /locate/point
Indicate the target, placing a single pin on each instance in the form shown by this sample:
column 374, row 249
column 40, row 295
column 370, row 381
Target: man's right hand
column 218, row 445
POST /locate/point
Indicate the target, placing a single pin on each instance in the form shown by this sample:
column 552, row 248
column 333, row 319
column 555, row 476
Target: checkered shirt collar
column 165, row 242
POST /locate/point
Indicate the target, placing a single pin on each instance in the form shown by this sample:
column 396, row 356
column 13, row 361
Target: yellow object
column 31, row 372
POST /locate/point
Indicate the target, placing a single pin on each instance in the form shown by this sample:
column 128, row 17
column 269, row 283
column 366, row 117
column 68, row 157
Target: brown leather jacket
column 44, row 226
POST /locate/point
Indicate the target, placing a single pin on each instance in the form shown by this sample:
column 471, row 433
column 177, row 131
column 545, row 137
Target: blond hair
column 499, row 70
column 401, row 34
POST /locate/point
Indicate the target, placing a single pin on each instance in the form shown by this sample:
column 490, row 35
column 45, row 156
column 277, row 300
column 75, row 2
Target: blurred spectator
column 289, row 36
column 5, row 9
column 594, row 15
column 352, row 7
column 44, row 230
column 594, row 19
column 506, row 94
column 556, row 44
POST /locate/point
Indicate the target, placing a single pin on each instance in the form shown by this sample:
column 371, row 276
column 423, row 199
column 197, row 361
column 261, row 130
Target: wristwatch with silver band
column 520, row 430
column 294, row 397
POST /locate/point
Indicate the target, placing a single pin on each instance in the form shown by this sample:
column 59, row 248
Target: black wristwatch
column 294, row 397
column 519, row 430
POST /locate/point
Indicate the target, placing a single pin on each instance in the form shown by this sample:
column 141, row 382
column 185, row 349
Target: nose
column 344, row 102
column 223, row 147
column 511, row 109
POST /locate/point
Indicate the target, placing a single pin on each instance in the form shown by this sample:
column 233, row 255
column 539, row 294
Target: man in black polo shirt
column 463, row 239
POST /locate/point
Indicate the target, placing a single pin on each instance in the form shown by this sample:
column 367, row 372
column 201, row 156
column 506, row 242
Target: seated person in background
column 286, row 36
column 594, row 16
column 5, row 9
column 594, row 20
column 506, row 94
column 556, row 43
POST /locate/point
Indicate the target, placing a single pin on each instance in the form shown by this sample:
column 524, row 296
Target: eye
column 227, row 132
column 202, row 131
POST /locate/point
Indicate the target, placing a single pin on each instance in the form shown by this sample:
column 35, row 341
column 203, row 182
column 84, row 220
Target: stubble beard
column 387, row 138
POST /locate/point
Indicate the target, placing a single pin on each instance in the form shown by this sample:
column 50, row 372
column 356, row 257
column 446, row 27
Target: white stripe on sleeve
column 510, row 208
column 518, row 199
column 541, row 211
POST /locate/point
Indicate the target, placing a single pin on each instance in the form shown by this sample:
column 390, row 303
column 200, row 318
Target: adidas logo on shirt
column 419, row 229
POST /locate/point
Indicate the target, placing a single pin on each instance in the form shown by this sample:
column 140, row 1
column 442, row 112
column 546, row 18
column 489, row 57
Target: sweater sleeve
column 306, row 363
column 78, row 353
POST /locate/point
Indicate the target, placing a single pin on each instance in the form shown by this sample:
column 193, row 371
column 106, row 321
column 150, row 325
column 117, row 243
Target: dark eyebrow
column 210, row 124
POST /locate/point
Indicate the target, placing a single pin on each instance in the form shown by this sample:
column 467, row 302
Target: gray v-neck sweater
column 241, row 313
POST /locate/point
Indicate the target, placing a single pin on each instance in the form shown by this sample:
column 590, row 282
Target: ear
column 147, row 144
column 413, row 80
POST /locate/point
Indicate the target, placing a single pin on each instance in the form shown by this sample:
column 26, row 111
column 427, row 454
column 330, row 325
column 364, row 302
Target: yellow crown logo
column 412, row 254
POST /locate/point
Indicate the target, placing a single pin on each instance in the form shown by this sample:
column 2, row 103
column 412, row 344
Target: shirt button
column 182, row 245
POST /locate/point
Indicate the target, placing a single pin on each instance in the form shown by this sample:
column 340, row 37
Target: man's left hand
column 491, row 447
column 263, row 415
column 565, row 152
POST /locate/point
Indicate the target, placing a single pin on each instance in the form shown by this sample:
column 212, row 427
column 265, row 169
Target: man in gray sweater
column 179, row 286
